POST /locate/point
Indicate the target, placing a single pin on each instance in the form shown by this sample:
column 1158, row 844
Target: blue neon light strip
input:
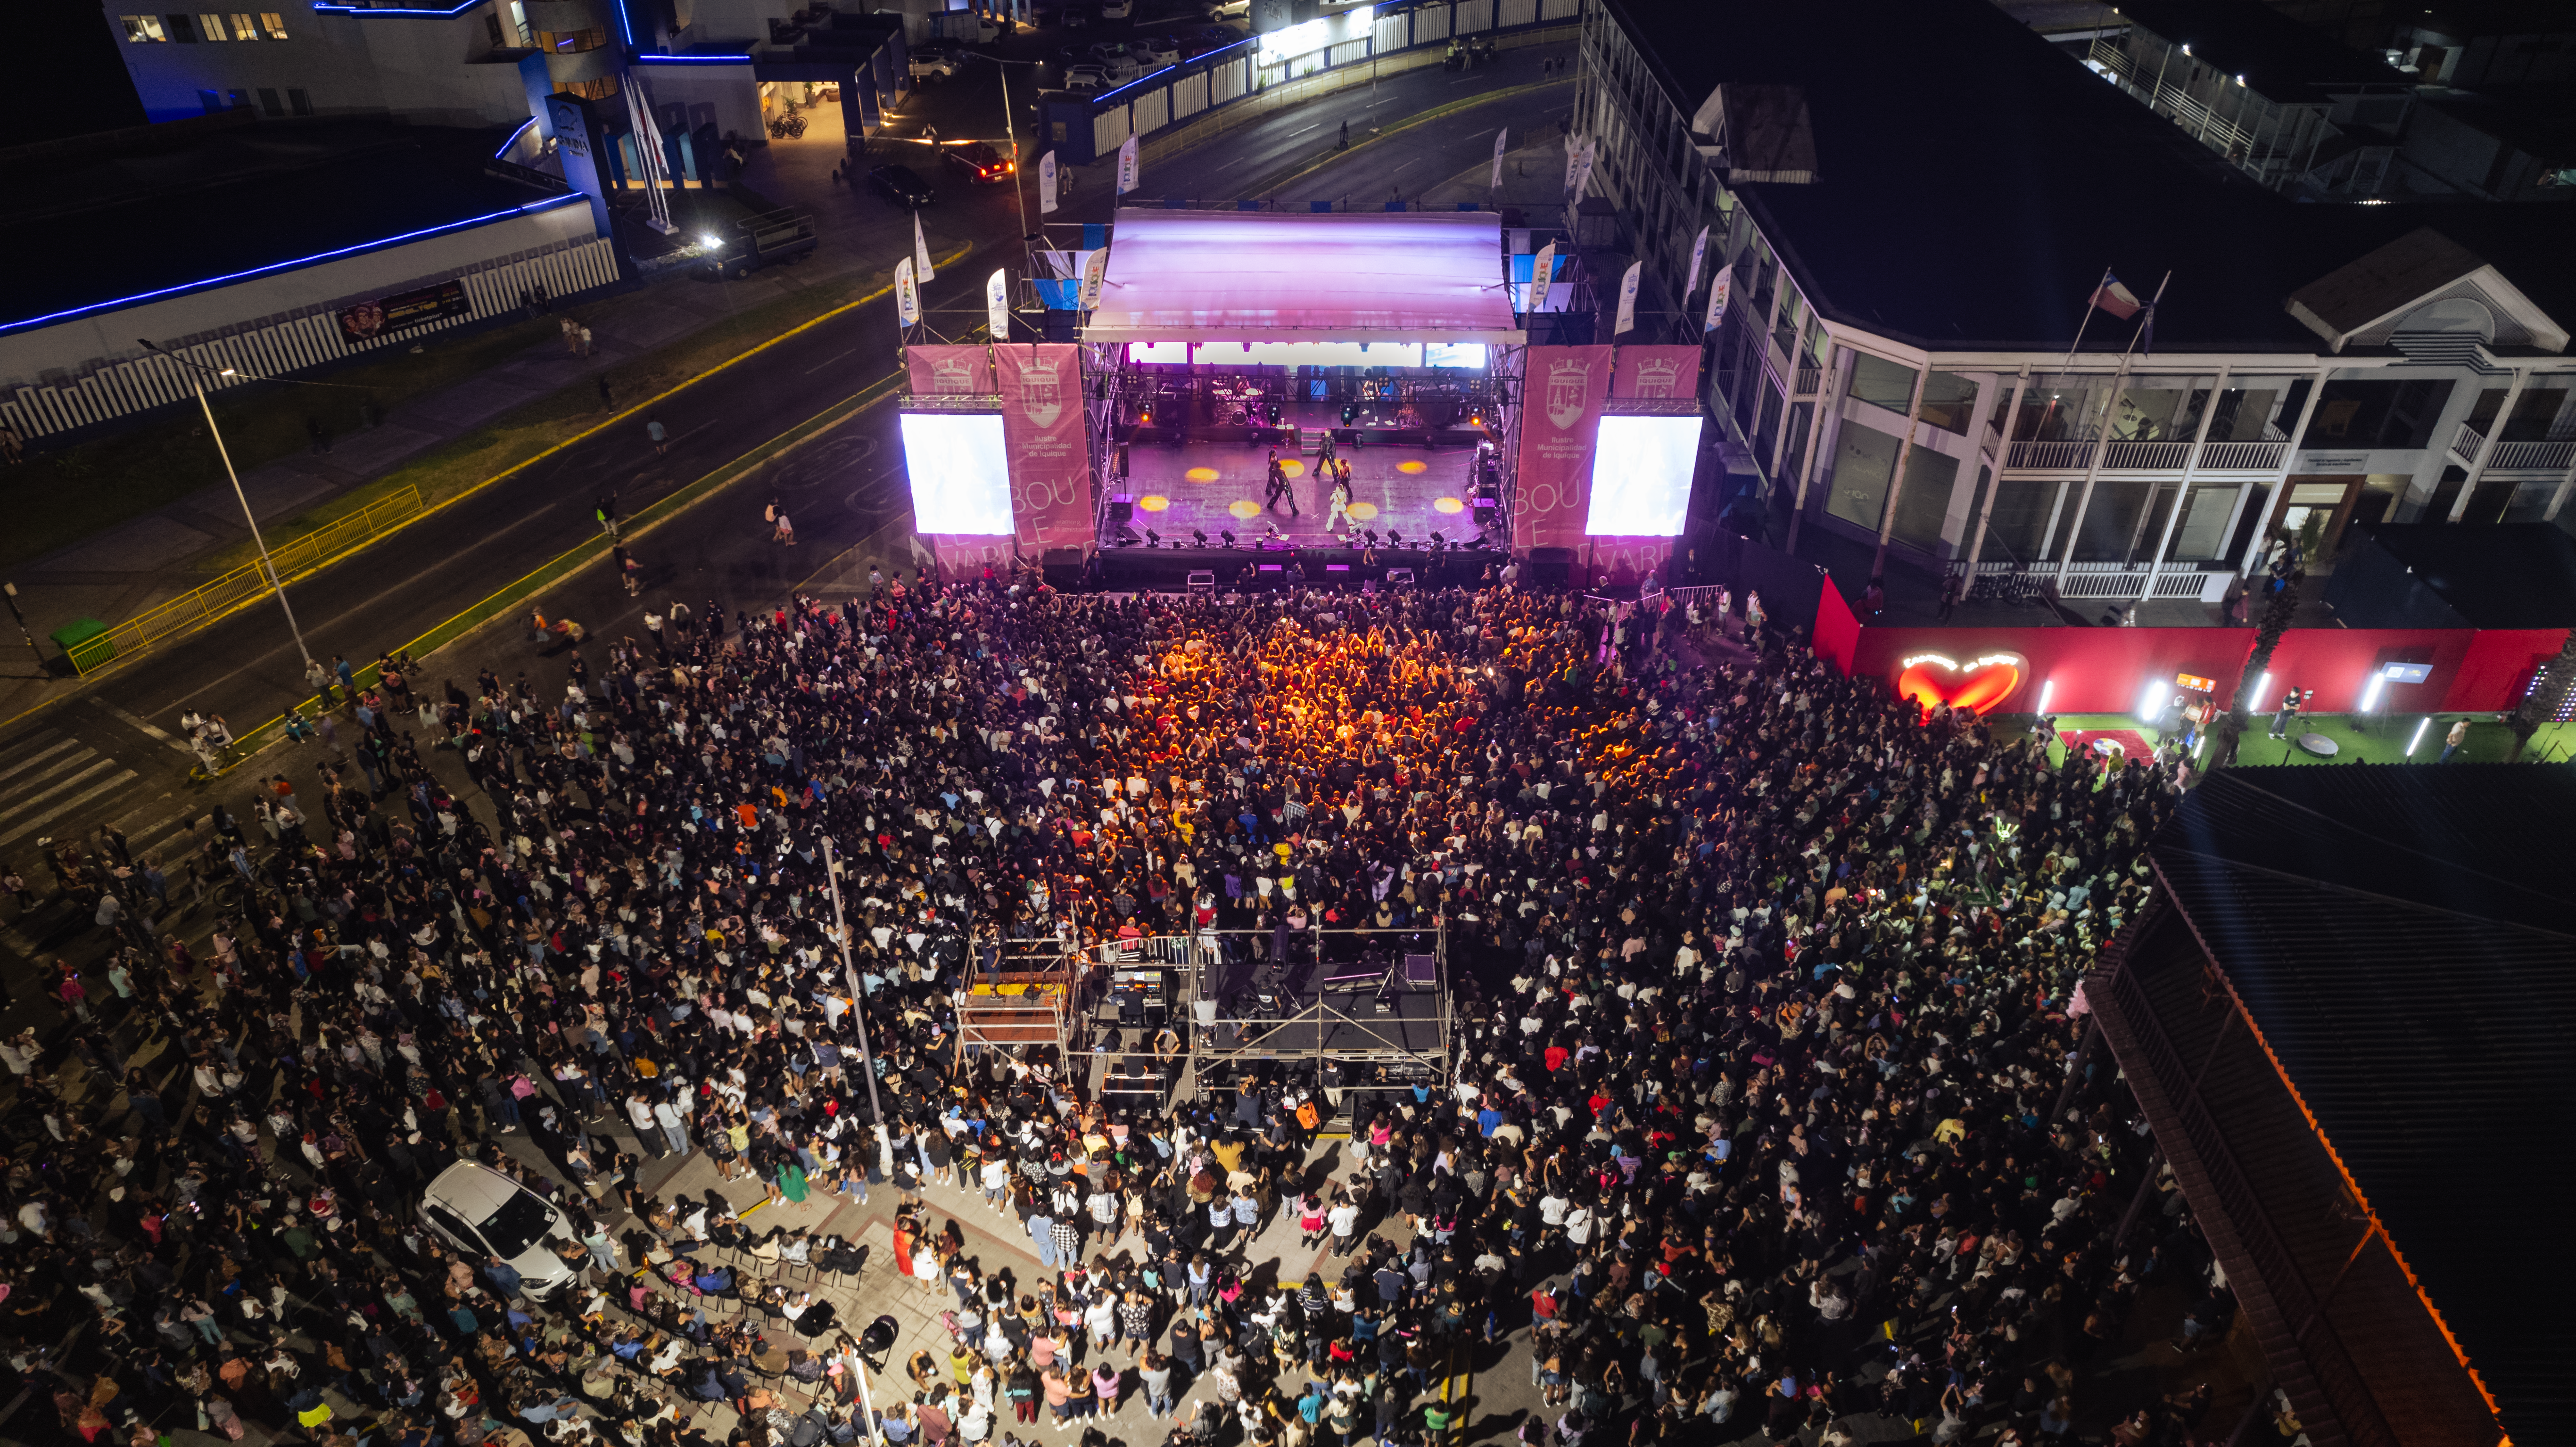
column 625, row 26
column 693, row 60
column 329, row 9
column 1167, row 70
column 125, row 301
column 514, row 138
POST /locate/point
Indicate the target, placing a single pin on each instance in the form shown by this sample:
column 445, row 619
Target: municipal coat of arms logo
column 1566, row 384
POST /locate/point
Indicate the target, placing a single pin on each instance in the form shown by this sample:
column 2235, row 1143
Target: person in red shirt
column 1556, row 1057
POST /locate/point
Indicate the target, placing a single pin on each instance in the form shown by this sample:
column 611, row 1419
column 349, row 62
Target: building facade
column 2397, row 376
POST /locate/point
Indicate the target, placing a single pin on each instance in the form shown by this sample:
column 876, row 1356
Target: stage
column 1219, row 486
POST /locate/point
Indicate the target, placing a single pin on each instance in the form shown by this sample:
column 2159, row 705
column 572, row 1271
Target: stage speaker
column 1122, row 459
column 1122, row 507
column 1063, row 568
column 1550, row 567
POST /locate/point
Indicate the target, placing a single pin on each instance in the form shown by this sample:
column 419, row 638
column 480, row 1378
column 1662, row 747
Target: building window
column 211, row 26
column 143, row 29
column 600, row 89
column 181, row 28
column 244, row 28
column 299, row 102
column 269, row 102
column 212, row 100
column 571, row 42
column 240, row 99
column 272, row 25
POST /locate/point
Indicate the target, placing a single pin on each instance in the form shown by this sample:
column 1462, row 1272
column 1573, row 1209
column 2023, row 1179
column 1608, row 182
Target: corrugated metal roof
column 2404, row 941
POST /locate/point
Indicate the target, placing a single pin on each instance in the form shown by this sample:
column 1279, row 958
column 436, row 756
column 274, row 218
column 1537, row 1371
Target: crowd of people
column 1769, row 1105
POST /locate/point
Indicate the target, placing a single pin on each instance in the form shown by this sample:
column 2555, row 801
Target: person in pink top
column 1104, row 1384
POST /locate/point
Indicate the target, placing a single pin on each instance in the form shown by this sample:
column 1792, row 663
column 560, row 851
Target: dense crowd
column 1768, row 1106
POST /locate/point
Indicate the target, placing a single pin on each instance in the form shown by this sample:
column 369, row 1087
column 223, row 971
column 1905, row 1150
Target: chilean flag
column 2116, row 299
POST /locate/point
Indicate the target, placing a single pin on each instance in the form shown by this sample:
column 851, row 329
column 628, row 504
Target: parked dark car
column 902, row 185
column 979, row 161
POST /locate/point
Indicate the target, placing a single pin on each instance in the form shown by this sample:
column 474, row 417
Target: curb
column 1388, row 133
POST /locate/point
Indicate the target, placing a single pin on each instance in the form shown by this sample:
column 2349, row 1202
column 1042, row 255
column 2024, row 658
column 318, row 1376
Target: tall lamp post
column 1011, row 128
column 275, row 583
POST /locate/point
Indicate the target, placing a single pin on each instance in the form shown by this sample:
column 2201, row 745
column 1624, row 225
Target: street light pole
column 858, row 997
column 275, row 583
column 1011, row 128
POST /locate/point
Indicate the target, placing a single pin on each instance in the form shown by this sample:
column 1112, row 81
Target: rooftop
column 1972, row 183
column 2400, row 939
column 2277, row 55
column 158, row 209
column 1226, row 276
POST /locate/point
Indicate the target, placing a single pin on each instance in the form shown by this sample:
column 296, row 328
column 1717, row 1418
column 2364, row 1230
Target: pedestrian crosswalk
column 52, row 783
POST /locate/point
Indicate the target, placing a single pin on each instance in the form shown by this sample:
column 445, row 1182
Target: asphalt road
column 109, row 756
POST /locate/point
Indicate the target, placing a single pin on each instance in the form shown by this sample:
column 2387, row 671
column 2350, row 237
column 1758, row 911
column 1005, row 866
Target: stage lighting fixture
column 1200, row 534
column 1370, row 534
column 1394, row 537
column 1349, row 411
column 1153, row 539
column 1227, row 534
column 1438, row 541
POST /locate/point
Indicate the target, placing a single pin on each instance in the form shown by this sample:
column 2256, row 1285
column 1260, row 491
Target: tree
column 2547, row 698
column 2281, row 605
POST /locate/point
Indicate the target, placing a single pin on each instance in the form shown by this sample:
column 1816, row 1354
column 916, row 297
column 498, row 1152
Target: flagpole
column 2102, row 443
column 2092, row 302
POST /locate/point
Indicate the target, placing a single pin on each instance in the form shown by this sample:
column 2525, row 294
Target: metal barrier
column 193, row 610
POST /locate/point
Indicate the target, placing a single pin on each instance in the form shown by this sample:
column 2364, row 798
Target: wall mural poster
column 1042, row 433
column 417, row 307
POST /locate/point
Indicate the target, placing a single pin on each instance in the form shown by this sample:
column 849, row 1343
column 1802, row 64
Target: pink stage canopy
column 1264, row 276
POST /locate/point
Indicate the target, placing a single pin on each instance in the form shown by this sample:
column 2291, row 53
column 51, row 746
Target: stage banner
column 997, row 306
column 1041, row 388
column 1648, row 373
column 1628, row 299
column 921, row 272
column 1046, row 184
column 1561, row 397
column 949, row 371
column 1699, row 255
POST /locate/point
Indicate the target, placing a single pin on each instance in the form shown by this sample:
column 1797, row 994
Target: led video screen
column 961, row 475
column 1641, row 476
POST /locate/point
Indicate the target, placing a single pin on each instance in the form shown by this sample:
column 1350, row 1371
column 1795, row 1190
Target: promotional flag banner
column 1042, row 438
column 997, row 305
column 1628, row 298
column 1128, row 180
column 1094, row 267
column 1542, row 275
column 1573, row 161
column 1699, row 254
column 1583, row 171
column 907, row 294
column 1560, row 423
column 949, row 371
column 1717, row 293
column 921, row 272
column 1501, row 137
column 1046, row 184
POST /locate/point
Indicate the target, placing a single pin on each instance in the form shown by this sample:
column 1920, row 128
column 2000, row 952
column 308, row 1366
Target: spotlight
column 1370, row 534
column 1200, row 534
column 1227, row 534
column 1394, row 538
column 1349, row 411
column 1153, row 539
column 1438, row 541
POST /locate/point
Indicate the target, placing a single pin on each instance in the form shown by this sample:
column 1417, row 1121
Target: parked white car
column 1158, row 50
column 1086, row 77
column 1118, row 9
column 484, row 1214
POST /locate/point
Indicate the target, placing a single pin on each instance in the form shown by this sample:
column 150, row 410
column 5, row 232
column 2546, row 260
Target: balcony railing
column 2072, row 455
column 2466, row 442
column 2242, row 456
column 1808, row 380
column 2550, row 456
column 2146, row 456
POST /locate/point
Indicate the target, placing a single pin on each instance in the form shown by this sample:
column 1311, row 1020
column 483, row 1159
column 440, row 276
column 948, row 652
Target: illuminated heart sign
column 1976, row 685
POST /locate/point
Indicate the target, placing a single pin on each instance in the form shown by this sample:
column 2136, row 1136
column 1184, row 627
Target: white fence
column 308, row 339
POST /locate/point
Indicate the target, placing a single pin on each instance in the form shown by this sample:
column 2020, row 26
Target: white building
column 1913, row 209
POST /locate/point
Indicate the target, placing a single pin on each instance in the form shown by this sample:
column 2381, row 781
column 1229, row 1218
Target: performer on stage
column 1341, row 500
column 1278, row 488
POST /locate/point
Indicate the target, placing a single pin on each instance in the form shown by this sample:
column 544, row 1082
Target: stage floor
column 1215, row 486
